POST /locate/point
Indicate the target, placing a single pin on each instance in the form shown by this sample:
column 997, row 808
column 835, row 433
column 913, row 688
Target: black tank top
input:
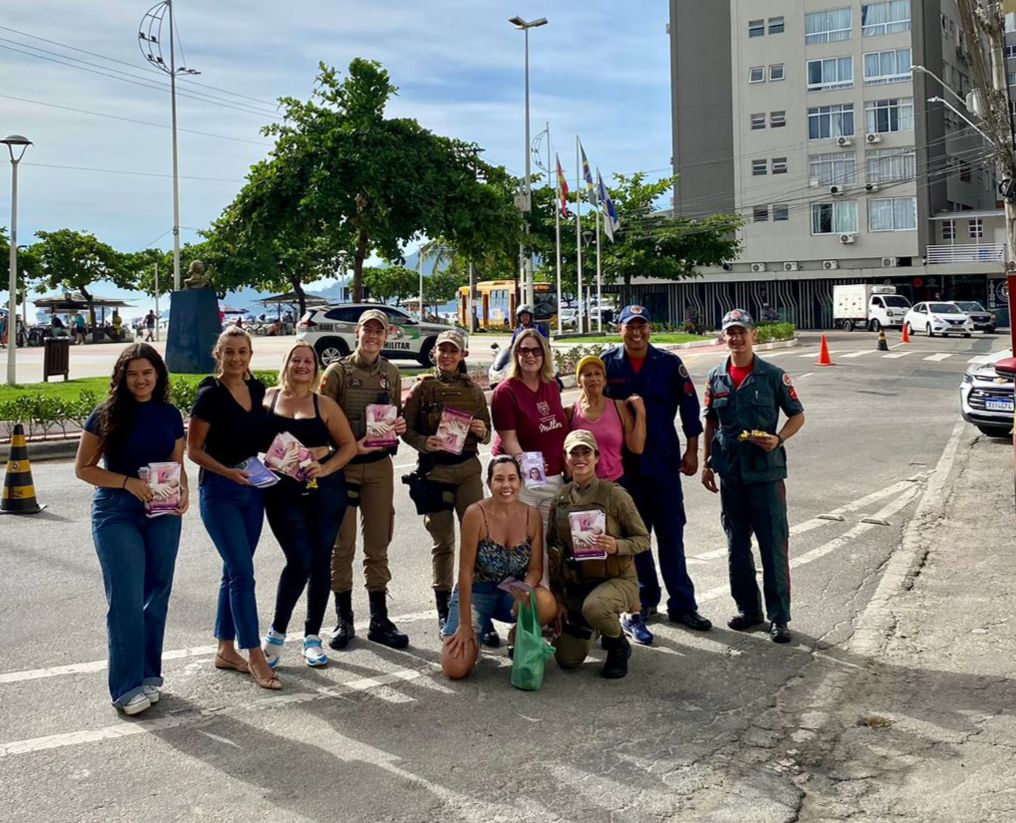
column 310, row 431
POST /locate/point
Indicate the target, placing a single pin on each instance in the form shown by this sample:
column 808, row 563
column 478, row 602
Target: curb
column 39, row 450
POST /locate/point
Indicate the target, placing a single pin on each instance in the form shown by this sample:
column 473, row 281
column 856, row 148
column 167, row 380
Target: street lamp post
column 525, row 26
column 150, row 43
column 20, row 143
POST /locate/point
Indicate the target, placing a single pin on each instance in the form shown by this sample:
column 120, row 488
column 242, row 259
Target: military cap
column 580, row 437
column 374, row 314
column 737, row 317
column 634, row 313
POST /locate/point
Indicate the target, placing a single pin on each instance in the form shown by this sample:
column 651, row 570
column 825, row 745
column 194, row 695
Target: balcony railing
column 967, row 253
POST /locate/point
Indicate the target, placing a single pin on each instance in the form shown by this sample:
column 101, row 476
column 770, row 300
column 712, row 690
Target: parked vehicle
column 498, row 370
column 868, row 306
column 986, row 396
column 982, row 319
column 937, row 317
column 332, row 332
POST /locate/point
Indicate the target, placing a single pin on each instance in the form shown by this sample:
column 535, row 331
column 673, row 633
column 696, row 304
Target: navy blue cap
column 634, row 313
column 737, row 317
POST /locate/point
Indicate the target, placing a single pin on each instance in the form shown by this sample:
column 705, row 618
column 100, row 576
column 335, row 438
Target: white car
column 986, row 397
column 937, row 317
column 332, row 332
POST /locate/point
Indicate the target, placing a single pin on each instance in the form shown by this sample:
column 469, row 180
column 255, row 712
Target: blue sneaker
column 272, row 647
column 313, row 652
column 635, row 627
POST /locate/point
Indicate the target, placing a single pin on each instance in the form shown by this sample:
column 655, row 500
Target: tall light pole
column 16, row 143
column 150, row 43
column 525, row 26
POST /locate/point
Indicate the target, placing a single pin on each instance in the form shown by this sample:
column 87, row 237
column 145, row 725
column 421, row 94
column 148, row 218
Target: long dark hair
column 117, row 410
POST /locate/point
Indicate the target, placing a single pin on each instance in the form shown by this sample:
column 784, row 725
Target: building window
column 887, row 66
column 890, row 165
column 832, row 169
column 885, row 18
column 759, row 168
column 1012, row 108
column 777, row 71
column 834, row 218
column 757, row 74
column 828, row 26
column 975, row 229
column 831, row 121
column 760, row 214
column 948, row 229
column 776, row 25
column 964, row 171
column 756, row 28
column 758, row 121
column 1010, row 51
column 882, row 116
column 779, row 165
column 781, row 212
column 1011, row 78
column 777, row 119
column 892, row 214
column 831, row 73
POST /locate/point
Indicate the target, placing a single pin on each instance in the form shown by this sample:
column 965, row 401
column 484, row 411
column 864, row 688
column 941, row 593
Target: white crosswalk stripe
column 936, row 358
column 895, row 355
column 859, row 353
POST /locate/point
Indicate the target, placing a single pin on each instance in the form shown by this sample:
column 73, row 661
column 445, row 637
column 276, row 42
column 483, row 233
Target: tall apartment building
column 804, row 117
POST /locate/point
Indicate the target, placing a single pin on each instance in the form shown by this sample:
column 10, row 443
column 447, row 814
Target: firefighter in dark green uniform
column 744, row 446
column 452, row 481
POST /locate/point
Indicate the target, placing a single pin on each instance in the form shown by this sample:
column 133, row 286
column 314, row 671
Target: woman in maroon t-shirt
column 528, row 415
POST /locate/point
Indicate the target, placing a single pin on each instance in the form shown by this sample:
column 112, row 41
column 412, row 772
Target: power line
column 132, row 173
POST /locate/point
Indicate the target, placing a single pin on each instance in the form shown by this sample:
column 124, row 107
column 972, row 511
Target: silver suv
column 332, row 332
column 986, row 397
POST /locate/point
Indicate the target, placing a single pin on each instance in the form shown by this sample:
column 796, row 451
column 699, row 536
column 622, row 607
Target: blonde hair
column 227, row 333
column 284, row 383
column 547, row 370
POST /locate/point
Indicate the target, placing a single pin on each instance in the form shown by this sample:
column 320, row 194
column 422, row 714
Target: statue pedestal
column 193, row 329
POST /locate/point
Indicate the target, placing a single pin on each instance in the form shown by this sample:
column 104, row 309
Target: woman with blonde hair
column 228, row 426
column 305, row 514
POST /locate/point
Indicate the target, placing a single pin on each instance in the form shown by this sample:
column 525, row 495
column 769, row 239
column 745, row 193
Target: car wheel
column 330, row 349
column 995, row 431
column 424, row 357
column 966, row 334
column 928, row 329
column 875, row 325
column 910, row 329
column 848, row 325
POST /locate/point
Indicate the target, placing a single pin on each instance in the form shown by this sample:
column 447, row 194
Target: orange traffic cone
column 823, row 354
column 905, row 337
column 19, row 491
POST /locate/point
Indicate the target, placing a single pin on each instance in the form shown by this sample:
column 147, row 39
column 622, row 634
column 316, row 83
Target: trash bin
column 56, row 358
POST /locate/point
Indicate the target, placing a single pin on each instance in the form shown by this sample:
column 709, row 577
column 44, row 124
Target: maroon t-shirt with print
column 536, row 417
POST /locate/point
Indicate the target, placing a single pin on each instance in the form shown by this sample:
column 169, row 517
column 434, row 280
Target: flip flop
column 232, row 665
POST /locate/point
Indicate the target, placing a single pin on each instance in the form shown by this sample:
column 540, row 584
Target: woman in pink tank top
column 615, row 424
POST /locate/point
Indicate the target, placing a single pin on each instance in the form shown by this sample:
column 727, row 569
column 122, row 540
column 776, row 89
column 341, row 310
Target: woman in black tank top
column 305, row 515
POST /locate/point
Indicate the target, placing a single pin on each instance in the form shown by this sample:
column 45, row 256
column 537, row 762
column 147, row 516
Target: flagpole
column 557, row 228
column 580, row 326
column 599, row 278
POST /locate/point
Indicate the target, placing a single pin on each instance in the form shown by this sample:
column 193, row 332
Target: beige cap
column 452, row 336
column 374, row 314
column 580, row 437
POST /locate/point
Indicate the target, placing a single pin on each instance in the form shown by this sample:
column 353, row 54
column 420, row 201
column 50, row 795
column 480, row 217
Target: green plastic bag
column 531, row 650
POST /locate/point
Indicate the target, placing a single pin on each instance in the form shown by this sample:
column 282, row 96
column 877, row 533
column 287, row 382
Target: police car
column 332, row 332
column 986, row 397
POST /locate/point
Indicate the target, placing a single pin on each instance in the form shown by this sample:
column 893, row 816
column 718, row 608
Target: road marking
column 939, row 357
column 896, row 355
column 806, row 374
column 859, row 353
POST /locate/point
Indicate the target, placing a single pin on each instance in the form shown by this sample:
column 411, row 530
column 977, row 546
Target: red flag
column 562, row 188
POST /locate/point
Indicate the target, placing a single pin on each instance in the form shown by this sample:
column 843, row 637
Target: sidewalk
column 927, row 730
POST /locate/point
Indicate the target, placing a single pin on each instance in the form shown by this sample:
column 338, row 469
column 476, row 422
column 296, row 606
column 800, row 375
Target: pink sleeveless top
column 609, row 434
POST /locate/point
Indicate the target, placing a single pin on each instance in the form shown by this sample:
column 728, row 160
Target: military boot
column 381, row 629
column 344, row 631
column 441, row 599
column 618, row 652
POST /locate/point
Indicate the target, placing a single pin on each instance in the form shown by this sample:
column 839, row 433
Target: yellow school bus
column 496, row 304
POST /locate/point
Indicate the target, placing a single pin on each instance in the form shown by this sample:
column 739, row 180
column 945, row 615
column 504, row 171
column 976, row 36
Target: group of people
column 611, row 459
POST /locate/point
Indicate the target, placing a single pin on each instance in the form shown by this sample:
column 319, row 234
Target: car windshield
column 897, row 301
column 943, row 308
column 967, row 305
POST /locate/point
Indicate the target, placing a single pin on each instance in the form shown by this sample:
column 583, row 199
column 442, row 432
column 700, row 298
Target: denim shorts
column 489, row 603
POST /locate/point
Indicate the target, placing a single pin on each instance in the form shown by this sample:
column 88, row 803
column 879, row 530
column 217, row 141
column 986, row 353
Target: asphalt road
column 380, row 735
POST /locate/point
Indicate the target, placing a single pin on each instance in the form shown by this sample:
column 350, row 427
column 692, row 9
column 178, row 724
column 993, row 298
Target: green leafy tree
column 391, row 283
column 28, row 267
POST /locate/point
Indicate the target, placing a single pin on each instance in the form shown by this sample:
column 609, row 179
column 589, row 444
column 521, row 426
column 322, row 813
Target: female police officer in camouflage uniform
column 453, row 480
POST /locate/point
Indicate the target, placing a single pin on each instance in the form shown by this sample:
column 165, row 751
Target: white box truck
column 868, row 306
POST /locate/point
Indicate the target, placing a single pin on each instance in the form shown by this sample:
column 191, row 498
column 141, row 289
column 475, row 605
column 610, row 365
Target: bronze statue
column 196, row 276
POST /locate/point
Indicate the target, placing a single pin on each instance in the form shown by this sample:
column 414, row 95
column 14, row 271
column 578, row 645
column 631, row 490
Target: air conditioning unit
column 790, row 266
column 836, row 191
column 757, row 267
column 872, row 138
column 889, row 262
column 830, row 265
column 847, row 238
column 871, row 187
column 844, row 142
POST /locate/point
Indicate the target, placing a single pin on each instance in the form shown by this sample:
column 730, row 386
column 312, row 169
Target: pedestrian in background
column 743, row 400
column 135, row 425
column 305, row 514
column 150, row 326
column 453, row 480
column 354, row 382
column 79, row 329
column 653, row 478
column 228, row 426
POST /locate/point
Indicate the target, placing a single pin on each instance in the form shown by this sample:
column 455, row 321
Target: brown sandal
column 272, row 683
column 233, row 665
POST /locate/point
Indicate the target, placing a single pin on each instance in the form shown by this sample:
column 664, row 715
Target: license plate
column 998, row 404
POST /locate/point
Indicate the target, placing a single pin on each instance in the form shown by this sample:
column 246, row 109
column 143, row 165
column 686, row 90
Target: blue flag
column 610, row 222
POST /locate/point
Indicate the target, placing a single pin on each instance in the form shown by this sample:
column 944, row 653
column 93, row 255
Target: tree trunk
column 358, row 257
column 91, row 311
column 301, row 296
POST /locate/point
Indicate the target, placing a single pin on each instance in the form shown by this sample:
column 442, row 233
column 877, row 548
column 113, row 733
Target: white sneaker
column 272, row 647
column 313, row 651
column 153, row 693
column 136, row 704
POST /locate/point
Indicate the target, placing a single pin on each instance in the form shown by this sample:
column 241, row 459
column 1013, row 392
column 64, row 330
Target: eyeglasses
column 530, row 351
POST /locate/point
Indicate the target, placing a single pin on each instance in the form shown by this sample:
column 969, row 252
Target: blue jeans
column 233, row 515
column 489, row 603
column 305, row 523
column 137, row 556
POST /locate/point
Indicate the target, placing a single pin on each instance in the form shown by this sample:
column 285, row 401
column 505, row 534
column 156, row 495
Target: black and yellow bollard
column 883, row 345
column 19, row 490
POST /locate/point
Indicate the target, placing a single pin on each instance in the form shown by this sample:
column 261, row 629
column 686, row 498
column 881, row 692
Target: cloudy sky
column 76, row 84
